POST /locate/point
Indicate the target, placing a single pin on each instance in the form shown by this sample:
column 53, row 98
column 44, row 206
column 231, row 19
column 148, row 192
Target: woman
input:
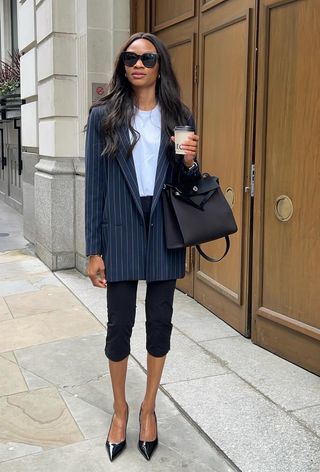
column 129, row 156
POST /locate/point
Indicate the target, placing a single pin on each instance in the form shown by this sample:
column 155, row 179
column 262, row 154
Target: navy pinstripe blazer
column 114, row 220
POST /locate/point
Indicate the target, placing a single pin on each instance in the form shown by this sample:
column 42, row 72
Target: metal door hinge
column 195, row 73
column 252, row 181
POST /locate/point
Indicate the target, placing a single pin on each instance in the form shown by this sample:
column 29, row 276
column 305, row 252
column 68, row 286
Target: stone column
column 58, row 132
column 68, row 47
column 102, row 26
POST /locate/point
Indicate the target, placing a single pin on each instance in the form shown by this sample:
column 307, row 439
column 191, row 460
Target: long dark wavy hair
column 119, row 100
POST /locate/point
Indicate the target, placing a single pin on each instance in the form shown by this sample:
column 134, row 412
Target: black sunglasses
column 149, row 59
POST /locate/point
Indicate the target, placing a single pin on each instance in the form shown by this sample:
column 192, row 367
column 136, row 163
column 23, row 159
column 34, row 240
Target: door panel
column 286, row 296
column 226, row 92
column 182, row 55
column 181, row 40
column 166, row 12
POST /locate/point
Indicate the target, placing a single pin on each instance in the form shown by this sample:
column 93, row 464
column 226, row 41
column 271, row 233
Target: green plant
column 10, row 74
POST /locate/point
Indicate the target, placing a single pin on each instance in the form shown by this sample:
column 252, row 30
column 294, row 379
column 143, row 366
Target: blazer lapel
column 129, row 172
column 161, row 172
column 127, row 166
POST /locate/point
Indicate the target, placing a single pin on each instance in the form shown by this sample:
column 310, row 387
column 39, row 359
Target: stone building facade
column 68, row 48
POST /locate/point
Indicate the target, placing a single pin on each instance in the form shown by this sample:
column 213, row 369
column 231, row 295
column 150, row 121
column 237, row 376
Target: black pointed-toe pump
column 147, row 448
column 115, row 449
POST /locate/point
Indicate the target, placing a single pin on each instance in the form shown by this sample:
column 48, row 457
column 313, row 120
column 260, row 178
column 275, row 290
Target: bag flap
column 205, row 184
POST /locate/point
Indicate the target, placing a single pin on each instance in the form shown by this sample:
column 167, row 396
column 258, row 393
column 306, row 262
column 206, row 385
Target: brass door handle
column 283, row 208
column 230, row 196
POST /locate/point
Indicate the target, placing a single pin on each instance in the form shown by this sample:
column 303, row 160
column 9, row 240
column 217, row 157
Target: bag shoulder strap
column 211, row 259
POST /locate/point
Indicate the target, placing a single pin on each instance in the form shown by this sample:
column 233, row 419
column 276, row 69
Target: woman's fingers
column 99, row 283
column 190, row 145
column 96, row 272
column 192, row 141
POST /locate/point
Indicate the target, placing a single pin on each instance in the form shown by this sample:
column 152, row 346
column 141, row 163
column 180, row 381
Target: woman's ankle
column 148, row 406
column 120, row 408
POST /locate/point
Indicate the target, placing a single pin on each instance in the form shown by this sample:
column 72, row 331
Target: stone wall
column 67, row 47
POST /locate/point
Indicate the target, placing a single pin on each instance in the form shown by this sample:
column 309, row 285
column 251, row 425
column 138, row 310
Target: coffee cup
column 181, row 134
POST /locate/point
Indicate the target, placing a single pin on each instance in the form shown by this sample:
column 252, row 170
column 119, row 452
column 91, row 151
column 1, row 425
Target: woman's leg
column 118, row 372
column 159, row 300
column 148, row 423
column 121, row 302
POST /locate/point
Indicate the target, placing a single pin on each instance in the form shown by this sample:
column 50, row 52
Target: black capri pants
column 121, row 304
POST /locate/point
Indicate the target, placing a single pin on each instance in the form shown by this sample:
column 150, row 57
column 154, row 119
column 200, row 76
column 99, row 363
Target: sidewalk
column 224, row 405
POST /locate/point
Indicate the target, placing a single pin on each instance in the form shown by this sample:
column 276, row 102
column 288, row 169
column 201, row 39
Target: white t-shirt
column 145, row 153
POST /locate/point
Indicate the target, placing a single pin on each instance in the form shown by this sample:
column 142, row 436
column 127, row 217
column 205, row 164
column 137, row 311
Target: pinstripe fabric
column 114, row 221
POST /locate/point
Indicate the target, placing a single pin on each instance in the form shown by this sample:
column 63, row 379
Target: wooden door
column 286, row 264
column 176, row 24
column 225, row 119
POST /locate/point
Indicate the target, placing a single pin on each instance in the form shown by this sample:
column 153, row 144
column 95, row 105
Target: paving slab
column 179, row 365
column 196, row 321
column 284, row 383
column 93, row 298
column 17, row 286
column 66, row 362
column 91, row 456
column 33, row 381
column 11, row 222
column 11, row 450
column 46, row 327
column 46, row 299
column 12, row 380
column 5, row 313
column 98, row 392
column 9, row 355
column 255, row 433
column 17, row 255
column 44, row 280
column 310, row 416
column 30, row 266
column 38, row 418
column 13, row 241
column 91, row 420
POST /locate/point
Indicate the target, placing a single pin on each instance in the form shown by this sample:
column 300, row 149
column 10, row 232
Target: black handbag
column 196, row 213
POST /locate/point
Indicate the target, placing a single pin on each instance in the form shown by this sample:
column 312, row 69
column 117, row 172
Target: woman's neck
column 145, row 99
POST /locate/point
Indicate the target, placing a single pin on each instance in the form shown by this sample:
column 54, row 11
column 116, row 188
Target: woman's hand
column 190, row 145
column 96, row 271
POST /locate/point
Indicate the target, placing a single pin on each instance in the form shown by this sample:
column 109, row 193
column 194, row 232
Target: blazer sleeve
column 95, row 183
